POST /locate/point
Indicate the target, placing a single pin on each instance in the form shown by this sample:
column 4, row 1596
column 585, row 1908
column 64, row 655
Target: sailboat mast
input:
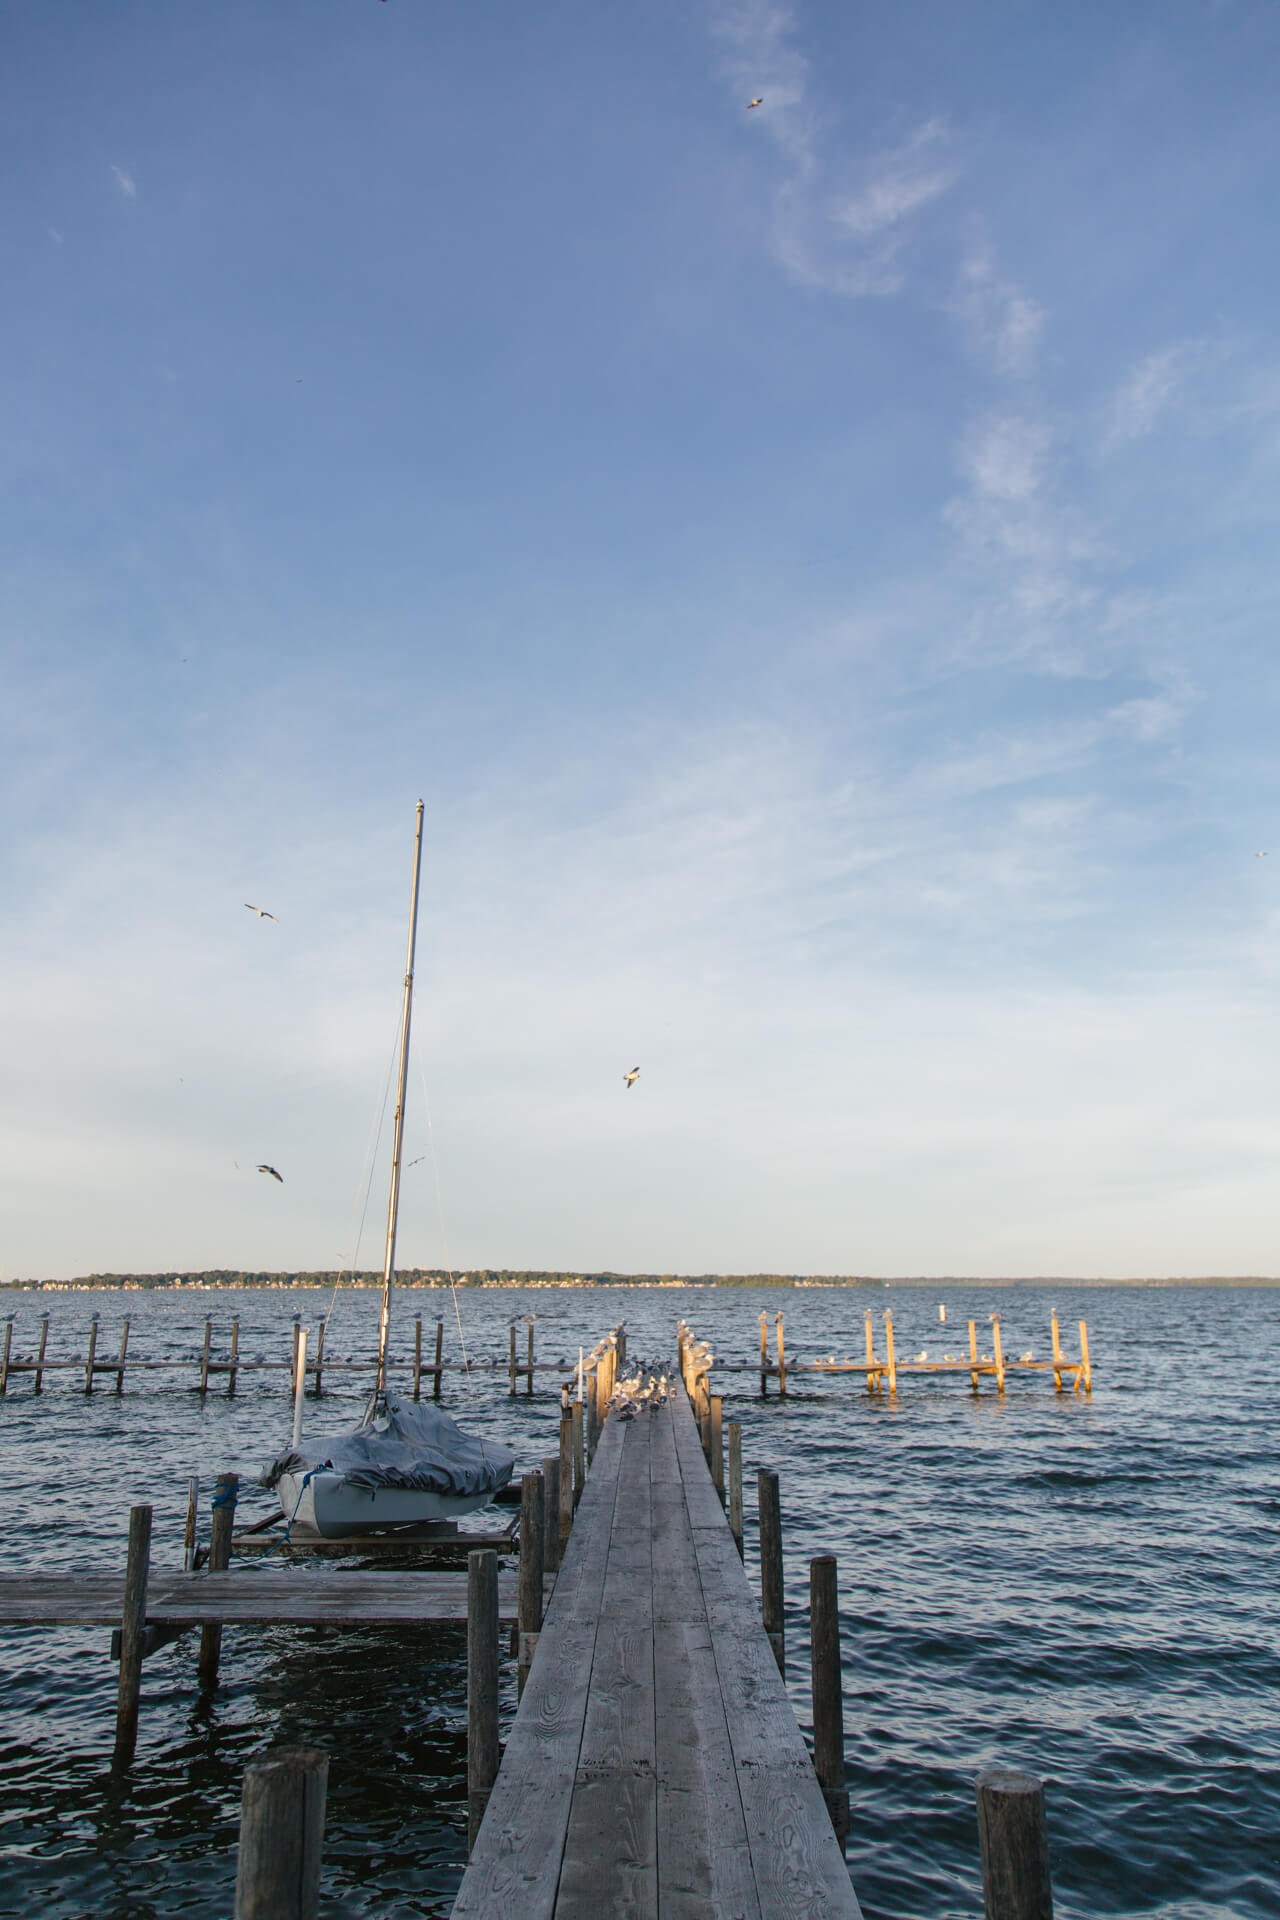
column 397, row 1147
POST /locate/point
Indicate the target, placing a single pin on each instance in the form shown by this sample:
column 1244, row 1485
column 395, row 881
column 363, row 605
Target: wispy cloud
column 838, row 225
column 1137, row 408
column 1003, row 324
column 125, row 181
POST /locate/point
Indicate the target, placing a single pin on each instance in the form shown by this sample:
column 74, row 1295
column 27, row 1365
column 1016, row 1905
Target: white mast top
column 393, row 1204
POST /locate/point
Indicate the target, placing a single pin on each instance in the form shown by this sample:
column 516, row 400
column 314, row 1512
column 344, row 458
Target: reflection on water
column 1083, row 1586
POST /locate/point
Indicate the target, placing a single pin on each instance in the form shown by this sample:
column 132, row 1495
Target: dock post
column 204, row 1357
column 566, row 1484
column 998, row 1350
column 189, row 1531
column 528, row 1378
column 1057, row 1351
column 872, row 1383
column 299, row 1378
column 764, row 1356
column 551, row 1513
column 782, row 1362
column 133, row 1623
column 890, row 1357
column 320, row 1333
column 579, row 1456
column 589, row 1417
column 224, row 1519
column 717, row 1444
column 417, row 1358
column 93, row 1347
column 124, row 1348
column 529, row 1592
column 4, row 1363
column 482, row 1685
column 44, row 1335
column 973, row 1354
column 511, row 1360
column 1085, row 1374
column 281, row 1835
column 235, row 1348
column 1014, row 1842
column 734, row 1431
column 770, row 1518
column 621, row 1332
column 435, row 1391
column 828, row 1698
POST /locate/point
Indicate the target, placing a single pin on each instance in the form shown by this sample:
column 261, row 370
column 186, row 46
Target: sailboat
column 404, row 1464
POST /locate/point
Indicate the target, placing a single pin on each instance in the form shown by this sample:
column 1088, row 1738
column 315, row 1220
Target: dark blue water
column 1083, row 1587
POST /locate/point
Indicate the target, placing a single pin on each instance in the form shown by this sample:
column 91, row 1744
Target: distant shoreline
column 222, row 1281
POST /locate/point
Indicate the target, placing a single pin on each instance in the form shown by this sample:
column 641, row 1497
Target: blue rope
column 227, row 1499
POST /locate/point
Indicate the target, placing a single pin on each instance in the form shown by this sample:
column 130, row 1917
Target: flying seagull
column 261, row 912
column 273, row 1173
column 632, row 1077
column 757, row 102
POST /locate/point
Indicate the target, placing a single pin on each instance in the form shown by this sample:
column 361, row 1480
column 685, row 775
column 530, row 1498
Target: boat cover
column 405, row 1445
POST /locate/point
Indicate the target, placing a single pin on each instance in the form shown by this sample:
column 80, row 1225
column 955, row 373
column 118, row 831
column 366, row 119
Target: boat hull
column 329, row 1505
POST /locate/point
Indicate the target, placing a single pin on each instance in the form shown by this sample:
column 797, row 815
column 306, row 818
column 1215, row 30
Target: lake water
column 1086, row 1587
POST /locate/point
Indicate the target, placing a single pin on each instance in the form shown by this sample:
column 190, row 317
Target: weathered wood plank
column 237, row 1599
column 704, row 1860
column 610, row 1857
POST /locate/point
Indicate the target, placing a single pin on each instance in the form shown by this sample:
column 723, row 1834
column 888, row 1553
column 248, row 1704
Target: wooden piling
column 417, row 1358
column 235, row 1348
column 764, row 1356
column 529, row 1592
column 482, row 1685
column 771, row 1603
column 4, row 1363
column 579, row 1456
column 782, row 1362
column 872, row 1381
column 281, row 1835
column 1085, row 1375
column 1013, row 1839
column 204, row 1357
column 319, row 1367
column 998, row 1351
column 1057, row 1352
column 973, row 1354
column 827, row 1692
column 734, row 1431
column 717, row 1444
column 223, row 1524
column 93, row 1347
column 439, row 1366
column 890, row 1357
column 511, row 1360
column 566, row 1480
column 133, row 1622
column 551, row 1513
column 528, row 1378
column 621, row 1348
column 44, row 1336
column 124, row 1348
column 189, row 1531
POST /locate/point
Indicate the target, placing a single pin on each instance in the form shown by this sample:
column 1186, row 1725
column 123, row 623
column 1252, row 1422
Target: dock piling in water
column 281, row 1835
column 550, row 1513
column 1013, row 1839
column 827, row 1693
column 529, row 1613
column 133, row 1623
column 482, row 1685
column 225, row 1490
column 734, row 1431
column 769, row 1514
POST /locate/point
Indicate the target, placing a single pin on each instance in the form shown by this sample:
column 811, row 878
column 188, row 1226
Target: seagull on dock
column 261, row 912
column 632, row 1077
column 264, row 1168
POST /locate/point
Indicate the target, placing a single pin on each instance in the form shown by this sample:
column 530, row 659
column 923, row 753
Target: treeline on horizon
column 227, row 1277
column 432, row 1277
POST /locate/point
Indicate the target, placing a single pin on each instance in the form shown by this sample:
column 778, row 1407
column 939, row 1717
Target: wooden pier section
column 655, row 1769
column 260, row 1599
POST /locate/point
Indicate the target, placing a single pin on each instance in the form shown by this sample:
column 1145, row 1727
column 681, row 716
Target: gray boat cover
column 405, row 1445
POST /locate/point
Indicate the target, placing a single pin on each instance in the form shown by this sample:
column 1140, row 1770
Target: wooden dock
column 258, row 1599
column 655, row 1766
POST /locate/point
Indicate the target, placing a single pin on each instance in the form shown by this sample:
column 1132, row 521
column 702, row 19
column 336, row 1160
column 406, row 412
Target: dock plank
column 246, row 1599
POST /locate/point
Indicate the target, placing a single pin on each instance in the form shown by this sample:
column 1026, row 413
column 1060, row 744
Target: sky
column 816, row 562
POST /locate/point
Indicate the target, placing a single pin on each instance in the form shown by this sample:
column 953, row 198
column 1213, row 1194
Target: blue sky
column 816, row 563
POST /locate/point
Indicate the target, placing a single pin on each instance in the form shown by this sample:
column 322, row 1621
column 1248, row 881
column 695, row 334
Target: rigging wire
column 366, row 1176
column 444, row 1238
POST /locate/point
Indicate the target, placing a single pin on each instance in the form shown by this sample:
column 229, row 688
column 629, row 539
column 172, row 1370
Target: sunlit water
column 1086, row 1587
